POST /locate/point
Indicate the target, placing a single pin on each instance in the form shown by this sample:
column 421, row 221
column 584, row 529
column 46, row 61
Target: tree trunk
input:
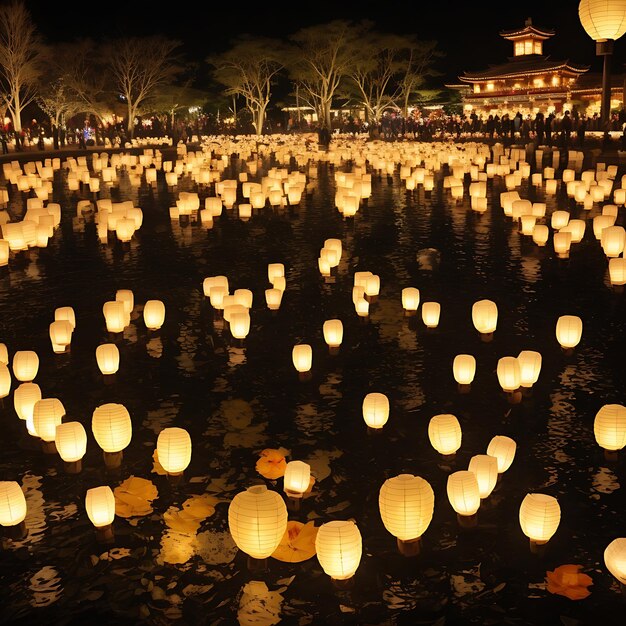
column 16, row 113
column 130, row 126
column 260, row 120
column 326, row 108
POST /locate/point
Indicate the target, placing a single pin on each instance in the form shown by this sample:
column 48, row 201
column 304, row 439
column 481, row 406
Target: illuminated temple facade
column 531, row 81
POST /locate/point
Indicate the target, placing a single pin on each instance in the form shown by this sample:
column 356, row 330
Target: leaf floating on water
column 196, row 590
column 238, row 413
column 298, row 543
column 157, row 468
column 216, row 548
column 201, row 506
column 272, row 463
column 567, row 581
column 258, row 605
column 176, row 548
column 134, row 497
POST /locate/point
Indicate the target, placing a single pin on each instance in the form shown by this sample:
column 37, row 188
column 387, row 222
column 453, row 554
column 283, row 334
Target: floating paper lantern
column 508, row 371
column 4, row 354
column 25, row 365
column 297, row 478
column 562, row 241
column 464, row 496
column 333, row 333
column 410, row 299
column 602, row 19
column 486, row 469
column 609, row 427
column 174, row 450
column 274, row 270
column 529, row 365
column 217, row 295
column 613, row 240
column 431, row 312
column 362, row 307
column 243, row 297
column 615, row 559
column 569, row 330
column 112, row 429
column 24, row 399
column 302, row 356
column 47, row 415
column 541, row 234
column 66, row 313
column 71, row 443
column 273, row 298
column 108, row 358
column 617, row 271
column 503, row 449
column 485, row 317
column 60, row 335
column 464, row 369
column 5, row 381
column 559, row 219
column 539, row 517
column 154, row 314
column 372, row 286
column 444, row 432
column 406, row 505
column 280, row 283
column 115, row 316
column 240, row 324
column 12, row 508
column 257, row 519
column 127, row 297
column 100, row 505
column 339, row 547
column 375, row 410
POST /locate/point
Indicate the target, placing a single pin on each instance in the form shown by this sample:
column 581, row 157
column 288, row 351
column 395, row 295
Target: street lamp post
column 604, row 21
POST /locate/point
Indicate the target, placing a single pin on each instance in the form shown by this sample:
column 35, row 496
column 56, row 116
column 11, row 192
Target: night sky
column 467, row 32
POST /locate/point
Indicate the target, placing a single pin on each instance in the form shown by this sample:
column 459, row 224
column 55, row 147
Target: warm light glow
column 603, row 19
column 539, row 516
column 297, row 478
column 100, row 505
column 154, row 314
column 302, row 356
column 569, row 330
column 503, row 449
column 375, row 410
column 463, row 493
column 508, row 371
column 257, row 519
column 485, row 467
column 12, row 504
column 609, row 427
column 47, row 415
column 615, row 559
column 25, row 365
column 339, row 547
column 530, row 365
column 485, row 316
column 406, row 505
column 431, row 312
column 333, row 333
column 464, row 368
column 410, row 298
column 174, row 449
column 444, row 432
column 108, row 358
column 112, row 427
column 71, row 441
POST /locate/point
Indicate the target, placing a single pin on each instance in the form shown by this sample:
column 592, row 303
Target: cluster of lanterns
column 258, row 516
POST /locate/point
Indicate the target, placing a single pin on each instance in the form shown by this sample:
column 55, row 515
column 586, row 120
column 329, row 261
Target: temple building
column 531, row 81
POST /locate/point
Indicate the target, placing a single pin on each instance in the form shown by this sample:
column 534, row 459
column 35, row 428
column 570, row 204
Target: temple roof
column 528, row 30
column 523, row 66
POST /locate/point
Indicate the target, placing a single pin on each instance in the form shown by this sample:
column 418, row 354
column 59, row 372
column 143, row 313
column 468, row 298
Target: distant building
column 531, row 81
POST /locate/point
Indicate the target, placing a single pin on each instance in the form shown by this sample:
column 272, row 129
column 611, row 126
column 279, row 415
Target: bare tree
column 419, row 58
column 322, row 55
column 139, row 66
column 20, row 56
column 248, row 70
column 58, row 102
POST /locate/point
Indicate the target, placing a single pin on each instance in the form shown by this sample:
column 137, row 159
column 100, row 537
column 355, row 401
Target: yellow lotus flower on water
column 567, row 581
column 298, row 543
column 272, row 463
column 133, row 497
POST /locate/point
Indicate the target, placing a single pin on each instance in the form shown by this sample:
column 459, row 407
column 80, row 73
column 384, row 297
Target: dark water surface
column 235, row 401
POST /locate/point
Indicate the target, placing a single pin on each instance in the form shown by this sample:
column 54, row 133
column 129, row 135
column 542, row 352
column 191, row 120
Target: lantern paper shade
column 5, row 380
column 127, row 297
column 71, row 441
column 486, row 469
column 615, row 559
column 485, row 316
column 297, row 478
column 66, row 313
column 406, row 505
column 257, row 519
column 100, row 505
column 609, row 427
column 339, row 547
column 617, row 271
column 112, row 427
column 539, row 516
column 508, row 373
column 529, row 365
column 444, row 432
column 333, row 333
column 463, row 493
column 302, row 356
column 430, row 314
column 4, row 354
column 114, row 316
column 12, row 504
column 273, row 298
column 174, row 449
column 25, row 365
column 24, row 399
column 108, row 358
column 154, row 314
column 503, row 449
column 603, row 19
column 410, row 298
column 61, row 335
column 375, row 410
column 569, row 330
column 464, row 369
column 47, row 415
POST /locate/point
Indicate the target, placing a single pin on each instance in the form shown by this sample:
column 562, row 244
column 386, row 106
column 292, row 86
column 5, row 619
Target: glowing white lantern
column 609, row 427
column 569, row 330
column 486, row 469
column 464, row 496
column 154, row 314
column 297, row 478
column 562, row 242
column 174, row 450
column 112, row 427
column 339, row 547
column 333, row 333
column 539, row 517
column 60, row 335
column 25, row 365
column 444, row 432
column 65, row 313
column 485, row 317
column 559, row 219
column 100, row 506
column 464, row 369
column 617, row 271
column 24, row 399
column 240, row 324
column 273, row 298
column 375, row 410
column 127, row 297
column 503, row 449
column 541, row 233
column 302, row 356
column 274, row 270
column 372, row 286
column 4, row 354
column 12, row 504
column 508, row 371
column 47, row 415
column 431, row 312
column 529, row 365
column 410, row 299
column 257, row 519
column 115, row 316
column 614, row 559
column 603, row 19
column 613, row 240
column 108, row 358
